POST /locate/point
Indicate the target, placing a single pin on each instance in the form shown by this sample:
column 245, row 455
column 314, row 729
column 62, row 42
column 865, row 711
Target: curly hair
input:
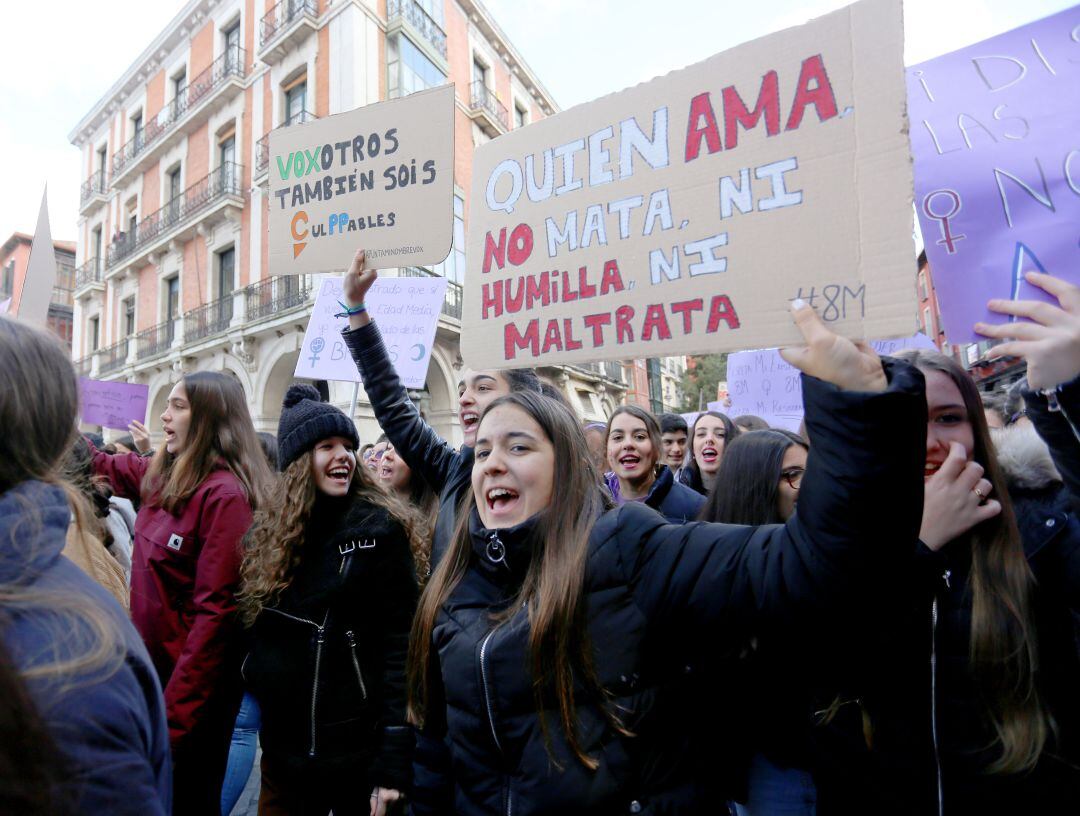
column 274, row 546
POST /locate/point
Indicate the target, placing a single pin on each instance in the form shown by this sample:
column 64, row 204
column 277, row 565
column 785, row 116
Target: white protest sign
column 684, row 214
column 380, row 177
column 32, row 302
column 761, row 383
column 407, row 311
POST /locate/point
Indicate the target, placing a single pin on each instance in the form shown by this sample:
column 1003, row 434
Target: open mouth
column 501, row 499
column 385, row 471
column 339, row 475
column 469, row 420
column 709, row 455
column 930, row 469
column 630, row 461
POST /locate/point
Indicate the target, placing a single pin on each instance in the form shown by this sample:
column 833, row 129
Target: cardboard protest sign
column 112, row 404
column 762, row 383
column 380, row 176
column 683, row 215
column 407, row 310
column 32, row 301
column 997, row 166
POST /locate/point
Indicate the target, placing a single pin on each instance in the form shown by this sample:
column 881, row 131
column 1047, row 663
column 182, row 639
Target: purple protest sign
column 112, row 404
column 997, row 166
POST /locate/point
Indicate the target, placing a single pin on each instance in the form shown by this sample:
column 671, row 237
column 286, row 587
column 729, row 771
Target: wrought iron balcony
column 286, row 24
column 94, row 189
column 262, row 147
column 114, row 357
column 275, row 296
column 486, row 109
column 211, row 319
column 83, row 365
column 451, row 306
column 228, row 69
column 155, row 340
column 88, row 274
column 413, row 13
column 223, row 183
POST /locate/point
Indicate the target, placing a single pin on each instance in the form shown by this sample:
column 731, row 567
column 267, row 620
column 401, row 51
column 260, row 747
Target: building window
column 129, row 316
column 923, row 294
column 226, row 266
column 93, row 332
column 295, row 100
column 434, row 10
column 137, row 130
column 7, row 284
column 179, row 100
column 521, row 116
column 95, row 242
column 928, row 329
column 409, row 69
column 232, row 47
column 172, row 301
column 480, row 72
column 656, row 385
column 101, row 155
column 227, row 151
column 174, row 191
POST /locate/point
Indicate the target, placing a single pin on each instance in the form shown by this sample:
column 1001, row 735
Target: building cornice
column 482, row 19
column 179, row 30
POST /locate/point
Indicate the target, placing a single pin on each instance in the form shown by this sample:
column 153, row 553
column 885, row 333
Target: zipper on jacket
column 933, row 694
column 356, row 663
column 487, row 690
column 320, row 638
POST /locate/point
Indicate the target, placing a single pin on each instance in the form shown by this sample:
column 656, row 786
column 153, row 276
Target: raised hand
column 358, row 280
column 1050, row 344
column 140, row 434
column 830, row 357
column 955, row 499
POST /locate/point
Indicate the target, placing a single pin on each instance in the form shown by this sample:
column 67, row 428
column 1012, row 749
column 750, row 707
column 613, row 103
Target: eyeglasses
column 793, row 476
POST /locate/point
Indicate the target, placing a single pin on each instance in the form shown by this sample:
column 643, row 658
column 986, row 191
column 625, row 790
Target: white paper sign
column 761, row 383
column 407, row 311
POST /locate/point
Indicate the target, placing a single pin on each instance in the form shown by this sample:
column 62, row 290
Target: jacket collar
column 505, row 554
column 34, row 518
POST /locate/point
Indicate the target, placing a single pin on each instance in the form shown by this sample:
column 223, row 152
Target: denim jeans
column 776, row 791
column 241, row 754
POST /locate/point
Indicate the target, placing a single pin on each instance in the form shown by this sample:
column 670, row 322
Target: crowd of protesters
column 877, row 615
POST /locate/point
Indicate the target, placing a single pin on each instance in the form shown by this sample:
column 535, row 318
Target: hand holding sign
column 1051, row 343
column 830, row 357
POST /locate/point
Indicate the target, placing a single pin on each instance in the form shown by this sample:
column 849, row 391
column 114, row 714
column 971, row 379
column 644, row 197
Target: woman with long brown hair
column 73, row 664
column 197, row 493
column 329, row 592
column 552, row 636
column 973, row 709
column 711, row 431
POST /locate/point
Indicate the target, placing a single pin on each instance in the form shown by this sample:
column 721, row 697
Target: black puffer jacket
column 327, row 661
column 446, row 470
column 655, row 593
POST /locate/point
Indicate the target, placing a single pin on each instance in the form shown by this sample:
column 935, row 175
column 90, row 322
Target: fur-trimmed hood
column 1024, row 457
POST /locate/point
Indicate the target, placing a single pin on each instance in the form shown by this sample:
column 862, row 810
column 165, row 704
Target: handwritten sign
column 407, row 311
column 997, row 166
column 381, row 177
column 763, row 384
column 112, row 404
column 683, row 215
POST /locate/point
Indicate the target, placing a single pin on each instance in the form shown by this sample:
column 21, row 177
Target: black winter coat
column 446, row 470
column 654, row 594
column 932, row 735
column 327, row 661
column 675, row 502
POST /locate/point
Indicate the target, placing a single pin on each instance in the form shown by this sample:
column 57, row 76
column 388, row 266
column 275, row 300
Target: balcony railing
column 83, row 365
column 95, row 185
column 208, row 320
column 155, row 340
column 279, row 17
column 62, row 296
column 414, row 14
column 275, row 295
column 88, row 273
column 262, row 147
column 451, row 302
column 483, row 100
column 200, row 196
column 114, row 357
column 230, row 64
column 613, row 371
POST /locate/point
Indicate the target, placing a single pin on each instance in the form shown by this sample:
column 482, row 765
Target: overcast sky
column 55, row 66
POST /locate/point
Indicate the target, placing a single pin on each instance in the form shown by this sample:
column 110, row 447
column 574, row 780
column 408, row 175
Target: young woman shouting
column 329, row 592
column 550, row 638
column 711, row 432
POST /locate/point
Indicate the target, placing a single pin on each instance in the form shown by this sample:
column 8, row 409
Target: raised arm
column 124, row 471
column 423, row 450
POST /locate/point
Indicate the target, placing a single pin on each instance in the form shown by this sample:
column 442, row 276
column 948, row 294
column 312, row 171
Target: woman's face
column 176, row 420
column 709, row 435
column 791, row 472
column 332, row 464
column 476, row 391
column 514, row 470
column 394, row 472
column 949, row 421
column 630, row 451
column 375, row 455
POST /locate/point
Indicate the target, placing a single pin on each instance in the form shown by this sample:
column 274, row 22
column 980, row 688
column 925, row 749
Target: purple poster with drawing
column 995, row 133
column 112, row 404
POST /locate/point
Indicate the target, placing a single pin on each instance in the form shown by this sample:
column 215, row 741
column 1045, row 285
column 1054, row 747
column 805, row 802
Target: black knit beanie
column 305, row 420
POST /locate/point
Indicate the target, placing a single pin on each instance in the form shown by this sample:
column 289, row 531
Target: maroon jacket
column 184, row 575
